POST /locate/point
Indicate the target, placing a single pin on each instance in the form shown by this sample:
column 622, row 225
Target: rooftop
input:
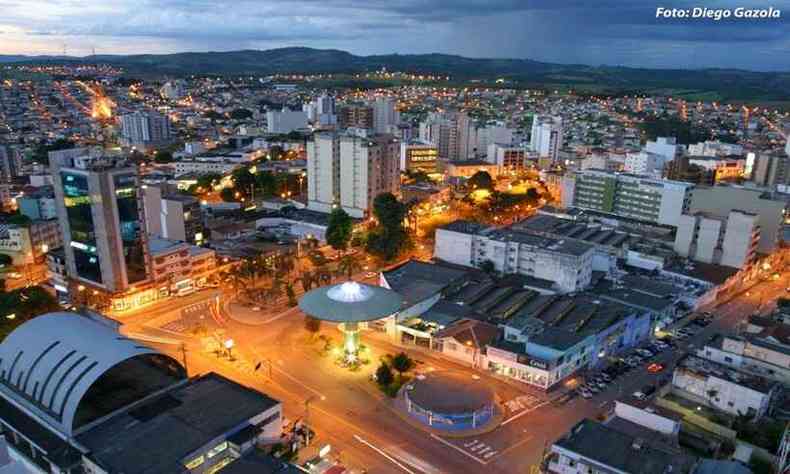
column 417, row 281
column 706, row 367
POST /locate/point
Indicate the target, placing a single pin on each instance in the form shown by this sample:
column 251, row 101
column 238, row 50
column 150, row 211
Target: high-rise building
column 509, row 158
column 646, row 163
column 350, row 171
column 173, row 90
column 626, row 195
column 355, row 116
column 453, row 134
column 285, row 120
column 101, row 214
column 321, row 110
column 145, row 129
column 771, row 169
column 385, row 115
column 546, row 138
column 418, row 156
column 9, row 163
column 489, row 134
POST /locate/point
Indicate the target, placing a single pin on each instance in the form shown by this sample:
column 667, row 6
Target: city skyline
column 612, row 33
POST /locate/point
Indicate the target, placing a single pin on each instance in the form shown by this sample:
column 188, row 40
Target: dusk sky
column 614, row 32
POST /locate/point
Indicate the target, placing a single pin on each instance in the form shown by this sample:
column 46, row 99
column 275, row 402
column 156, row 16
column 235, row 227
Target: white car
column 639, row 395
column 585, row 393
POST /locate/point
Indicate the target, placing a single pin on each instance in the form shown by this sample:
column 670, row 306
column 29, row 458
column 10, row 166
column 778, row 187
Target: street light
column 229, row 346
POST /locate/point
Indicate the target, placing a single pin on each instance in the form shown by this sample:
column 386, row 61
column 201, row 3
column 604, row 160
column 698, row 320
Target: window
column 195, row 462
column 727, row 359
column 217, row 449
column 730, row 404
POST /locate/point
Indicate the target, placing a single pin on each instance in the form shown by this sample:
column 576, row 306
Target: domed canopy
column 350, row 302
column 57, row 364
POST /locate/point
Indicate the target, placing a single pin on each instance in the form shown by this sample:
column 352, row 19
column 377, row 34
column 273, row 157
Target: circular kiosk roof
column 350, row 302
column 450, row 393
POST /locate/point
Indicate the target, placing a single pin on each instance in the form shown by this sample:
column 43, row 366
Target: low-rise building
column 28, row 243
column 724, row 388
column 179, row 268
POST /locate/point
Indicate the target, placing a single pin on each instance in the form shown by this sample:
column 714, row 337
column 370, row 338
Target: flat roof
column 464, row 227
column 173, row 426
column 699, row 365
column 417, row 281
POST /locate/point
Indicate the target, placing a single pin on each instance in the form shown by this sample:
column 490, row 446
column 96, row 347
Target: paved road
column 347, row 411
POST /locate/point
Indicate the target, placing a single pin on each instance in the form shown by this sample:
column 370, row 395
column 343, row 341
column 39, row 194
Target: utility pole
column 183, row 349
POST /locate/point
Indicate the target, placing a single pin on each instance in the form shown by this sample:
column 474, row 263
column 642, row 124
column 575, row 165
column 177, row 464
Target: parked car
column 606, row 377
column 655, row 368
column 639, row 395
column 585, row 393
column 644, row 352
column 591, row 387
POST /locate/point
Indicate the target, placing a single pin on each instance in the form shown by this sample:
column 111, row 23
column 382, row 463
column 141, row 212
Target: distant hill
column 704, row 83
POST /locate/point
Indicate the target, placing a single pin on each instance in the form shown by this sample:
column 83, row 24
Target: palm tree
column 307, row 280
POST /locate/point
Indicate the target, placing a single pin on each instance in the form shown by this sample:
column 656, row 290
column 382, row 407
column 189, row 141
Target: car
column 639, row 395
column 592, row 388
column 601, row 384
column 655, row 368
column 644, row 352
column 256, row 308
column 14, row 275
column 585, row 393
column 606, row 377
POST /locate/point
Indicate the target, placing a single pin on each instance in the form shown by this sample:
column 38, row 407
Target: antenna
column 64, row 49
column 93, row 51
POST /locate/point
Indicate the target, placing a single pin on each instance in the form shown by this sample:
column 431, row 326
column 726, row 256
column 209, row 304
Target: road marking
column 447, row 443
column 514, row 417
column 390, row 458
column 291, row 377
column 509, row 448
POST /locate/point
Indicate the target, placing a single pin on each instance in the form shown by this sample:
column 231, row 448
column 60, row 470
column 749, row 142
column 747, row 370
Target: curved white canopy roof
column 350, row 302
column 48, row 363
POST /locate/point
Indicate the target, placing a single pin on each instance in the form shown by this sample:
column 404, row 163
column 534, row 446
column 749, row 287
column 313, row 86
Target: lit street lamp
column 229, row 347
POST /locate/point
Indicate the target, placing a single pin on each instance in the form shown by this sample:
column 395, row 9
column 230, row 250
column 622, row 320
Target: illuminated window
column 217, row 449
column 195, row 462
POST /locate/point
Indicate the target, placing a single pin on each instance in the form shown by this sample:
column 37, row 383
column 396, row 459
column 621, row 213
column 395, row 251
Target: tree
column 243, row 180
column 207, row 180
column 266, row 182
column 289, row 291
column 481, row 180
column 389, row 238
column 384, row 375
column 5, row 259
column 240, row 114
column 212, row 115
column 339, row 229
column 402, row 363
column 348, row 265
column 163, row 156
column 228, row 195
column 533, row 194
column 312, row 325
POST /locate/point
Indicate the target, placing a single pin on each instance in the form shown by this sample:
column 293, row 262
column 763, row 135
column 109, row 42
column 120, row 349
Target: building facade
column 731, row 242
column 145, row 129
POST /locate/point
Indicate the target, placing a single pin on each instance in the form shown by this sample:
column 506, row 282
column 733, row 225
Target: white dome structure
column 68, row 369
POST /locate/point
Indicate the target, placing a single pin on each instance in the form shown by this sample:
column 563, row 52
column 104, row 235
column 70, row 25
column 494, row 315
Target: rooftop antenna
column 64, row 49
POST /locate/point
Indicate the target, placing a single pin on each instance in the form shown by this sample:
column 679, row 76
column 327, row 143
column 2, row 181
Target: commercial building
column 724, row 388
column 711, row 239
column 645, row 163
column 453, row 133
column 419, row 156
column 468, row 168
column 667, row 147
column 350, row 171
column 627, row 195
column 719, row 168
column 285, row 120
column 101, row 214
column 38, row 204
column 145, row 130
column 174, row 216
column 509, row 158
column 77, row 396
column 546, row 138
column 715, row 149
column 565, row 262
column 203, row 167
column 179, row 268
column 769, row 206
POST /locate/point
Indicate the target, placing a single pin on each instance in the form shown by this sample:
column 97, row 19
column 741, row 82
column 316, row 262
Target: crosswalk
column 523, row 402
column 479, row 449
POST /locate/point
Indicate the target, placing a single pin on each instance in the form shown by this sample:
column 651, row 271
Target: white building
column 723, row 388
column 321, row 110
column 496, row 133
column 714, row 148
column 546, row 137
column 508, row 157
column 145, row 129
column 172, row 216
column 323, row 166
column 173, row 90
column 763, row 355
column 565, row 262
column 285, row 120
column 707, row 238
column 201, row 167
column 627, row 195
column 666, row 147
column 645, row 163
column 385, row 116
column 419, row 156
column 453, row 134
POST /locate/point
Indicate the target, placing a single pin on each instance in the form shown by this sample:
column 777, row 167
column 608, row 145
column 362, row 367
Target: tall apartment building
column 493, row 134
column 385, row 116
column 453, row 133
column 10, row 162
column 566, row 263
column 770, row 169
column 285, row 120
column 711, row 239
column 508, row 158
column 173, row 216
column 645, row 163
column 626, row 195
column 665, row 146
column 101, row 214
column 321, row 110
column 546, row 138
column 355, row 116
column 350, row 171
column 145, row 129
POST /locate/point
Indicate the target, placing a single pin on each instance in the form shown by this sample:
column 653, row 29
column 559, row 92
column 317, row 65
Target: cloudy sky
column 614, row 32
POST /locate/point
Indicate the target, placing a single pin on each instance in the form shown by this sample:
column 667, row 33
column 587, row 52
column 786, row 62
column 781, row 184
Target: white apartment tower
column 453, row 134
column 707, row 238
column 546, row 137
column 385, row 115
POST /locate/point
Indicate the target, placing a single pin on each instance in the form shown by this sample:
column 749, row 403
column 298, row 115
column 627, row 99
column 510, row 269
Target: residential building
column 385, row 115
column 769, row 206
column 323, row 171
column 203, row 167
column 123, row 399
column 667, row 147
column 285, row 120
column 724, row 388
column 321, row 111
column 493, row 133
column 56, row 272
column 715, row 148
column 101, row 214
column 419, row 156
column 546, row 138
column 645, row 163
column 10, row 162
column 567, row 263
column 179, row 268
column 368, row 167
column 38, row 204
column 627, row 195
column 711, row 239
column 144, row 130
column 28, row 243
column 771, row 169
column 173, row 90
column 355, row 116
column 171, row 215
column 453, row 133
column 509, row 158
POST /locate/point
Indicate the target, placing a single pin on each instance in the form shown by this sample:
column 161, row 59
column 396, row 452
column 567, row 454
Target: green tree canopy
column 389, row 238
column 163, row 156
column 338, row 231
column 240, row 114
column 228, row 195
column 481, row 180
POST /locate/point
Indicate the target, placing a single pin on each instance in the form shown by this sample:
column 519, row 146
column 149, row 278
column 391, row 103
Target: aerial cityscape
column 401, row 237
